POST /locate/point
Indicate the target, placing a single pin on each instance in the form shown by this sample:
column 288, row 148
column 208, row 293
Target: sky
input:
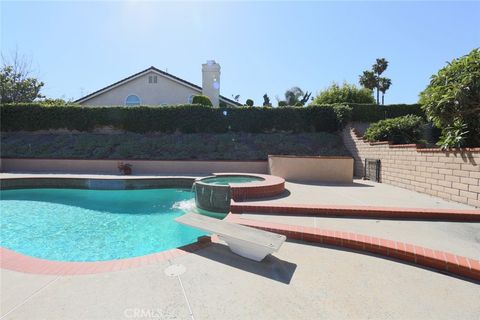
column 76, row 48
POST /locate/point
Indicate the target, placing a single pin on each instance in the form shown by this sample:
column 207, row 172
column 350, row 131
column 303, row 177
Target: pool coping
column 15, row 261
column 270, row 186
column 87, row 181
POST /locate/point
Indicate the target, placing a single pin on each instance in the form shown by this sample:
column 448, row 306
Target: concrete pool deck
column 462, row 238
column 360, row 193
column 302, row 280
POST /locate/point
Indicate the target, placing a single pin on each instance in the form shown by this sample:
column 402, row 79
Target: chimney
column 211, row 81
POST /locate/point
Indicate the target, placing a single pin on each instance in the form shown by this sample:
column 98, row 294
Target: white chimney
column 211, row 81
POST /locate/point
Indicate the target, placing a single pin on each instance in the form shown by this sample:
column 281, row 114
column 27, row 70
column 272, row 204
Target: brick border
column 270, row 186
column 12, row 260
column 438, row 260
column 418, row 147
column 356, row 211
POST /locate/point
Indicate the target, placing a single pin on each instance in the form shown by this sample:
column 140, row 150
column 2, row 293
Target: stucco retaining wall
column 144, row 167
column 312, row 169
column 448, row 174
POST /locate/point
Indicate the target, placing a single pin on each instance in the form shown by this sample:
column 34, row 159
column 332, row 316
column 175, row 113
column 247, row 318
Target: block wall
column 449, row 174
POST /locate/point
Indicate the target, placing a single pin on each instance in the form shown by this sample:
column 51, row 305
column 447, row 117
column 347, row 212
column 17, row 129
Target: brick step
column 438, row 260
column 357, row 211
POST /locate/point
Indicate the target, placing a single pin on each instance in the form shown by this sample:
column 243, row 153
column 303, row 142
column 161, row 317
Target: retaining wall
column 449, row 174
column 145, row 167
column 312, row 169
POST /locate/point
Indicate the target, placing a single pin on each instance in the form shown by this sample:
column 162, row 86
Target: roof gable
column 144, row 72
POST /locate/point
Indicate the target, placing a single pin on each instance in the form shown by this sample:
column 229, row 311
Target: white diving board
column 245, row 241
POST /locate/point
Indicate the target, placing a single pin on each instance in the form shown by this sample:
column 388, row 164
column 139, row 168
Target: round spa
column 213, row 193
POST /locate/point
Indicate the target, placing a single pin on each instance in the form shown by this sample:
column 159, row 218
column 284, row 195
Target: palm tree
column 383, row 85
column 368, row 80
column 378, row 68
column 371, row 79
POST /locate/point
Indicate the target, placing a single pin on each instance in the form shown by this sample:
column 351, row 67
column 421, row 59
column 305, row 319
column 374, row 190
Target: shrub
column 282, row 103
column 249, row 102
column 203, row 100
column 452, row 101
column 347, row 93
column 401, row 130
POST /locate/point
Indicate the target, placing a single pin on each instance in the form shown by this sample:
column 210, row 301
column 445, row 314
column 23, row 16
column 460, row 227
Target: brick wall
column 451, row 175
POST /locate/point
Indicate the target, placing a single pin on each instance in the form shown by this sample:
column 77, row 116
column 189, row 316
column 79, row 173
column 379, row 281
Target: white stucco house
column 156, row 87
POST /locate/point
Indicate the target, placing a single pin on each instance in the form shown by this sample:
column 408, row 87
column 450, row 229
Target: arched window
column 132, row 100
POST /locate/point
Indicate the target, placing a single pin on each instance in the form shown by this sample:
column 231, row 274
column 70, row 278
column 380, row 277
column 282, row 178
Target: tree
column 296, row 97
column 368, row 80
column 16, row 84
column 249, row 102
column 372, row 80
column 380, row 66
column 452, row 101
column 346, row 93
column 292, row 95
column 383, row 85
column 266, row 101
column 305, row 98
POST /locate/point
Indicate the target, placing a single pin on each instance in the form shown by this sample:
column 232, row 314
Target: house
column 156, row 87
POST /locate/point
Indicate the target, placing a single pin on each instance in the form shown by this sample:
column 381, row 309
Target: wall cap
column 418, row 147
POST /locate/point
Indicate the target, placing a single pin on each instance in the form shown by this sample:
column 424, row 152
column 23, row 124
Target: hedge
column 375, row 112
column 191, row 118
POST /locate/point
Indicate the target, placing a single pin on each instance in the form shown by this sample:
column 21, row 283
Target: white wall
column 312, row 169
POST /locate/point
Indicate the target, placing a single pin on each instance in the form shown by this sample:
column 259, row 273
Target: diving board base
column 247, row 250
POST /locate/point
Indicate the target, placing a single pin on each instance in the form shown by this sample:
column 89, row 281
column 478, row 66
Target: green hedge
column 375, row 112
column 192, row 118
column 180, row 118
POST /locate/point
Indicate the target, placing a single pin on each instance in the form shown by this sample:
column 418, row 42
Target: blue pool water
column 226, row 180
column 93, row 225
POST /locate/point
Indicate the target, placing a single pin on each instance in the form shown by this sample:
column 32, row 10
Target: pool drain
column 175, row 270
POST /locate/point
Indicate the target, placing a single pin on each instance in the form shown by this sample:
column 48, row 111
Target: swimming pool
column 94, row 225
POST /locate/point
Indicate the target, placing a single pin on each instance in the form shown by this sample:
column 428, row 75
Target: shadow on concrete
column 271, row 267
column 330, row 184
column 365, row 253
